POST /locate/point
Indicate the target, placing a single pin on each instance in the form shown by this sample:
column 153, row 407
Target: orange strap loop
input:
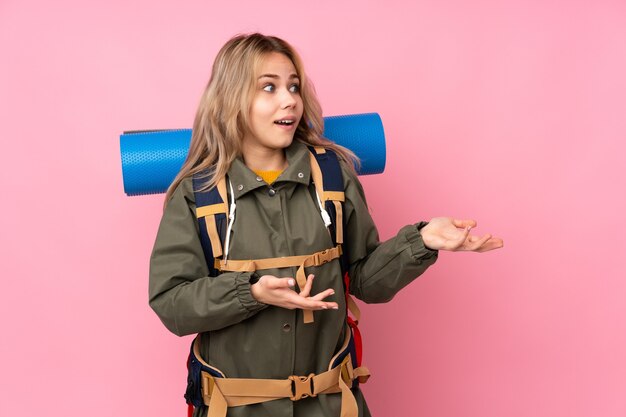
column 339, row 222
column 304, row 261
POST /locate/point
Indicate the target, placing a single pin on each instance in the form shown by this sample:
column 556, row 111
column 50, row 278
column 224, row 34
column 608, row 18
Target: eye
column 294, row 88
column 269, row 88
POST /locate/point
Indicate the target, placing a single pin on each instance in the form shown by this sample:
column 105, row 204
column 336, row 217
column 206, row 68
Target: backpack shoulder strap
column 211, row 211
column 328, row 179
column 326, row 170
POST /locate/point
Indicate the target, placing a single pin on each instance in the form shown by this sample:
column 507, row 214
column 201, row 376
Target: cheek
column 262, row 111
column 300, row 107
column 255, row 117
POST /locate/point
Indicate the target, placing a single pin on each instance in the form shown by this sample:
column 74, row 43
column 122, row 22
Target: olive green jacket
column 248, row 339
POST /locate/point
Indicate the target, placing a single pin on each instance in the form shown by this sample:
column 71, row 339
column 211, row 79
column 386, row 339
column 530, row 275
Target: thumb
column 276, row 283
column 287, row 282
column 463, row 224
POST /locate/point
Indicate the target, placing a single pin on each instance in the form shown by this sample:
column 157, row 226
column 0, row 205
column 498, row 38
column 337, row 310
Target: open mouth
column 285, row 122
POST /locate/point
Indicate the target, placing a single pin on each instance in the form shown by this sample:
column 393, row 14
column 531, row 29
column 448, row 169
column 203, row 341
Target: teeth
column 284, row 122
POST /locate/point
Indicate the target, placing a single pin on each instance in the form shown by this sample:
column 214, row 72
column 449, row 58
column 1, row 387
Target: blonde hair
column 222, row 116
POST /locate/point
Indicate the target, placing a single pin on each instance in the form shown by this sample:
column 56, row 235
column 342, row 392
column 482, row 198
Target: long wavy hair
column 222, row 117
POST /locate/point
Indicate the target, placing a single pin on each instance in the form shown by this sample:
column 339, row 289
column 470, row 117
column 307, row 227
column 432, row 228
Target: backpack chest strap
column 304, row 261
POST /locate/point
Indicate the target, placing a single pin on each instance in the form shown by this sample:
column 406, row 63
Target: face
column 276, row 106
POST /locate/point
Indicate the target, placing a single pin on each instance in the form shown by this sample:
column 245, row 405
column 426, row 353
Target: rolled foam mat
column 152, row 158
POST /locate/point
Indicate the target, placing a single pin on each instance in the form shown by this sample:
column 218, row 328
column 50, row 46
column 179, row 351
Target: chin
column 282, row 144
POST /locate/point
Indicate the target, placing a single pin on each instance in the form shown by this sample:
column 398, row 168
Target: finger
column 311, row 304
column 472, row 238
column 478, row 244
column 320, row 296
column 295, row 301
column 462, row 224
column 272, row 282
column 491, row 244
column 459, row 242
column 307, row 287
column 290, row 300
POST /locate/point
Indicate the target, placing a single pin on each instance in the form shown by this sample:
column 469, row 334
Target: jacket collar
column 244, row 180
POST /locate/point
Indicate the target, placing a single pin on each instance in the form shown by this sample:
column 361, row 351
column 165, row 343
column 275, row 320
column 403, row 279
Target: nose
column 288, row 99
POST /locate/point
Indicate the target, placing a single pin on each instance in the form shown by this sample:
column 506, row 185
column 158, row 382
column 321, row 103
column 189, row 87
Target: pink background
column 509, row 112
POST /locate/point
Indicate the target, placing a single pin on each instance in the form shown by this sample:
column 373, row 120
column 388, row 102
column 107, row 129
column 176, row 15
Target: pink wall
column 513, row 113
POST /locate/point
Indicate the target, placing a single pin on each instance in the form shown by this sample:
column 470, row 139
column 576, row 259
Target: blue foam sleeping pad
column 152, row 158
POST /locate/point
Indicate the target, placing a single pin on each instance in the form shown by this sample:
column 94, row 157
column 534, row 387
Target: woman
column 256, row 117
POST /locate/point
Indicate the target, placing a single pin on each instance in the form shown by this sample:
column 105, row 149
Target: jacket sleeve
column 379, row 270
column 181, row 293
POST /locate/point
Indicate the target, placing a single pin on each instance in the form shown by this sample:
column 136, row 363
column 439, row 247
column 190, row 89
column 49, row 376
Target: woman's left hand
column 447, row 233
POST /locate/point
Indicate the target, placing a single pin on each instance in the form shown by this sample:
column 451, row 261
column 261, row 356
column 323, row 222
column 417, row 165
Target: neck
column 264, row 159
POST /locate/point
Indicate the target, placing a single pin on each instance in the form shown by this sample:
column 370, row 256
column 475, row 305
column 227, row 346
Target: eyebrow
column 292, row 76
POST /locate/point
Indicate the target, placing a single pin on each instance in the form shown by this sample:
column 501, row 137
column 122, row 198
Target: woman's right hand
column 279, row 292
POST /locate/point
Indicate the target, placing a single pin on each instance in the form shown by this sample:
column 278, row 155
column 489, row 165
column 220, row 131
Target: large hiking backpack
column 212, row 210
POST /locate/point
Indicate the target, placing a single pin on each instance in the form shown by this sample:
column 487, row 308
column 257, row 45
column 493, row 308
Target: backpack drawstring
column 231, row 219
